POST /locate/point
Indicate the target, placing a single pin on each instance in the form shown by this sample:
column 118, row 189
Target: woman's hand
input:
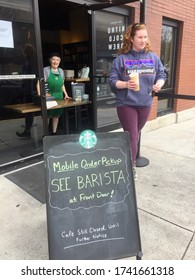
column 66, row 96
column 158, row 85
column 131, row 84
column 47, row 94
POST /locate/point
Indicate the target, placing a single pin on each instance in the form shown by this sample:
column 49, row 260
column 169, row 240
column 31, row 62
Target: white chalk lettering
column 67, row 166
column 60, row 185
column 97, row 180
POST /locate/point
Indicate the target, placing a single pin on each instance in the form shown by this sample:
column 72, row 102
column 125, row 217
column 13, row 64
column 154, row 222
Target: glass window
column 18, row 58
column 167, row 48
column 110, row 28
column 17, row 21
column 16, row 10
column 17, row 48
column 168, row 58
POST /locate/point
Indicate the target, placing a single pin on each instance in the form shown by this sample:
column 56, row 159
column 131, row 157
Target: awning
column 103, row 4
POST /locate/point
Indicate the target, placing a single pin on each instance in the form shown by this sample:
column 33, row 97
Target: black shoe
column 23, row 133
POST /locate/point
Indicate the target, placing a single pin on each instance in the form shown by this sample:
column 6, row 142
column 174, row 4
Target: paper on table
column 51, row 104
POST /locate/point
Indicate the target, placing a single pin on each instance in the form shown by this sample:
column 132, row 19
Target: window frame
column 170, row 89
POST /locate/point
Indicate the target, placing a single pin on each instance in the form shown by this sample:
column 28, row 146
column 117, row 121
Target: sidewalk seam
column 191, row 239
column 165, row 220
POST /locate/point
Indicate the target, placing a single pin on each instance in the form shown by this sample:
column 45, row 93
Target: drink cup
column 135, row 77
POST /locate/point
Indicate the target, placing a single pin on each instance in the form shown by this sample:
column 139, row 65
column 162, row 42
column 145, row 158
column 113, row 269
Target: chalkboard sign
column 90, row 198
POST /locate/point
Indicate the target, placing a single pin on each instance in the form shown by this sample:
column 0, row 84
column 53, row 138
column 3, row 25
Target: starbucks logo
column 88, row 139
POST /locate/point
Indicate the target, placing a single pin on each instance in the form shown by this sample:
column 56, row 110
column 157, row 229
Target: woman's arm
column 66, row 96
column 38, row 88
column 160, row 76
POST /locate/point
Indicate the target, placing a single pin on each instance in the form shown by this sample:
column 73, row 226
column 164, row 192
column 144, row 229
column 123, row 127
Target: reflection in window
column 168, row 58
column 167, row 41
column 16, row 10
column 19, row 14
column 110, row 28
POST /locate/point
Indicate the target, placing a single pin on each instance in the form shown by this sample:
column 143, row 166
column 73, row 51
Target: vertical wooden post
column 141, row 161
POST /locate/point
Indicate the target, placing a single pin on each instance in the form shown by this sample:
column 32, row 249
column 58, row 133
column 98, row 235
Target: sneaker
column 134, row 173
column 23, row 133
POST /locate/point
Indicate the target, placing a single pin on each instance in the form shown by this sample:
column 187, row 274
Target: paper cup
column 135, row 77
column 85, row 97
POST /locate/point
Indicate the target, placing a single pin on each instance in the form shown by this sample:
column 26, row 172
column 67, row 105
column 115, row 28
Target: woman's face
column 140, row 39
column 55, row 61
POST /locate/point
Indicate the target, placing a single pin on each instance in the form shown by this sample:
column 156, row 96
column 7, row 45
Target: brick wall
column 184, row 13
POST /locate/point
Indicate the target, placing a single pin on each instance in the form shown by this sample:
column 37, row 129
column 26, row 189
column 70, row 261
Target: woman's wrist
column 121, row 84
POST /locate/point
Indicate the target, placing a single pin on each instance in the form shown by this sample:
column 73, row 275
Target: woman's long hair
column 130, row 34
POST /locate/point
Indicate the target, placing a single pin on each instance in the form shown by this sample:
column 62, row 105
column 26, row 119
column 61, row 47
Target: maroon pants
column 133, row 120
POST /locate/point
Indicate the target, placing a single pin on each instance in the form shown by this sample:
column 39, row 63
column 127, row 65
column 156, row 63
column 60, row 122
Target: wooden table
column 77, row 80
column 32, row 108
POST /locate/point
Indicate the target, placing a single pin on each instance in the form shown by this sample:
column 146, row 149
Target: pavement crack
column 165, row 220
column 189, row 243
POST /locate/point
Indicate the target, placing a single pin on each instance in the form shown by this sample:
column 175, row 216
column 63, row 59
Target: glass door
column 20, row 133
column 108, row 30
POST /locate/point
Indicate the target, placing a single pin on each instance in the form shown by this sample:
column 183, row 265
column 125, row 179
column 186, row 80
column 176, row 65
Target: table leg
column 78, row 116
column 65, row 121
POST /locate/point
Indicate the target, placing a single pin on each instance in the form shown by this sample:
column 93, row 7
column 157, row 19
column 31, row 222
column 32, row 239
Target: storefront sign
column 115, row 35
column 109, row 33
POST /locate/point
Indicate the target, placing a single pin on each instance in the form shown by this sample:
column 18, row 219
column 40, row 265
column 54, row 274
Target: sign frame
column 90, row 198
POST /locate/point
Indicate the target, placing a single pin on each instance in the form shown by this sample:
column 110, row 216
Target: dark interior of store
column 64, row 28
column 54, row 16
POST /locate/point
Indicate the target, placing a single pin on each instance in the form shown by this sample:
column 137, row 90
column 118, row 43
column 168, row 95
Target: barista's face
column 54, row 62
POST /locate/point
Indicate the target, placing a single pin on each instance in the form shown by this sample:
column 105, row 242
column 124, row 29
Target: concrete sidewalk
column 165, row 197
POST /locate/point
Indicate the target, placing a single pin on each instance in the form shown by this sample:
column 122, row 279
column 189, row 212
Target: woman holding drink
column 135, row 73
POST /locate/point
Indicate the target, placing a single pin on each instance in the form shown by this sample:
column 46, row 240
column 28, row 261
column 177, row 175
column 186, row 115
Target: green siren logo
column 88, row 139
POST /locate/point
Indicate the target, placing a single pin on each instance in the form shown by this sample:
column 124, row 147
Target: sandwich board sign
column 90, row 197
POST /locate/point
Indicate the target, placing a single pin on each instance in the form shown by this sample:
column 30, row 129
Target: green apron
column 55, row 83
